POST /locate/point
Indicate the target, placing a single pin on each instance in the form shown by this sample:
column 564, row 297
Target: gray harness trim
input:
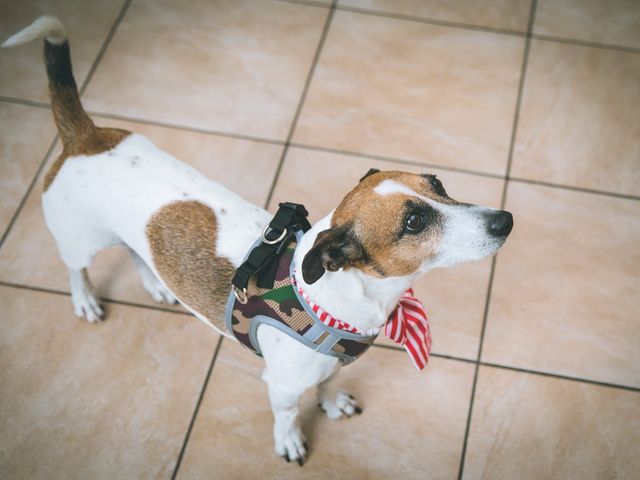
column 317, row 330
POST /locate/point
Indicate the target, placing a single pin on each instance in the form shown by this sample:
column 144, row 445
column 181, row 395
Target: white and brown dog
column 187, row 234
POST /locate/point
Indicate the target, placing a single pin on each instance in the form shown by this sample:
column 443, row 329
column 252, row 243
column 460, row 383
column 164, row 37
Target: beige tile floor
column 536, row 366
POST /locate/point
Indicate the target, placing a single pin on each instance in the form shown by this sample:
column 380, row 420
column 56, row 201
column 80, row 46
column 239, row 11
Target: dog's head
column 395, row 224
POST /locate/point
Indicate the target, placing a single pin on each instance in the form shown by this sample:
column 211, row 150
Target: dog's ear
column 333, row 249
column 370, row 172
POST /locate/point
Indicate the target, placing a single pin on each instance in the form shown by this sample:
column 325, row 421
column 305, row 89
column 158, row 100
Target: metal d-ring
column 272, row 242
column 241, row 295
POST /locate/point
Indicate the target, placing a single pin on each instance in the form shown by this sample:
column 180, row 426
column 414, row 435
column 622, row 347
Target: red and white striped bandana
column 407, row 325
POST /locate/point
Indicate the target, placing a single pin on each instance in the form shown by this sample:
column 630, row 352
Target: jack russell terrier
column 188, row 234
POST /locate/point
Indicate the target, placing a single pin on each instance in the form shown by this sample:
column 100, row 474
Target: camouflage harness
column 264, row 293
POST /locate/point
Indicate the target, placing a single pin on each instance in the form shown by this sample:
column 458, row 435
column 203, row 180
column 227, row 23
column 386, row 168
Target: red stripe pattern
column 407, row 325
column 324, row 316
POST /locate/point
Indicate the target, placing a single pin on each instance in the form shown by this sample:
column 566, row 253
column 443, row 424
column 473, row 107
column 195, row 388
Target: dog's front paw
column 86, row 306
column 291, row 445
column 343, row 405
column 371, row 332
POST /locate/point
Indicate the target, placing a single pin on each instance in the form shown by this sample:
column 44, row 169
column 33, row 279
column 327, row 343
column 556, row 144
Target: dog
column 188, row 234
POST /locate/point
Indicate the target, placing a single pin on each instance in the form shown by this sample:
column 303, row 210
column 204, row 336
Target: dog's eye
column 414, row 222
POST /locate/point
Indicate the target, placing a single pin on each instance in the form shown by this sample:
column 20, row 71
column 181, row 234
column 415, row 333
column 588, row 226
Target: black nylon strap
column 262, row 262
column 289, row 215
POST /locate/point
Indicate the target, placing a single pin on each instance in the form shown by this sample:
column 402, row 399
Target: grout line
column 309, row 3
column 401, row 161
column 562, row 377
column 288, row 143
column 30, row 187
column 432, row 21
column 574, row 189
column 105, row 45
column 529, row 371
column 469, row 26
column 22, row 101
column 516, row 115
column 197, row 408
column 303, row 96
column 370, row 156
column 266, row 204
column 102, row 299
column 444, row 356
column 92, row 70
column 435, row 355
column 454, row 358
column 585, row 43
column 523, row 73
column 155, row 123
column 476, row 369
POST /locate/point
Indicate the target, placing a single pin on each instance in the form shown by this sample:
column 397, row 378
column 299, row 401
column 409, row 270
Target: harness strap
column 284, row 308
column 262, row 261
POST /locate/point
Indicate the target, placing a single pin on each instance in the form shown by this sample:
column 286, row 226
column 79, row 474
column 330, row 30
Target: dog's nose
column 500, row 223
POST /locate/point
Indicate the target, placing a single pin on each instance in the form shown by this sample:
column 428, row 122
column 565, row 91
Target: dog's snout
column 500, row 223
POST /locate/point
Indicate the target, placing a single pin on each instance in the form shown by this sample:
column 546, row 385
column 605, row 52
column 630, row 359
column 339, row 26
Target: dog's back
column 112, row 187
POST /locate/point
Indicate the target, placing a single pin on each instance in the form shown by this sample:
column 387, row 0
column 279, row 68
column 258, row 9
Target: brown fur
column 182, row 236
column 90, row 142
column 78, row 133
column 375, row 221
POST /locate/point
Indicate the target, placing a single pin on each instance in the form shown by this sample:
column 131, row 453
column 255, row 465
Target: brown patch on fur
column 182, row 236
column 376, row 220
column 78, row 133
column 89, row 142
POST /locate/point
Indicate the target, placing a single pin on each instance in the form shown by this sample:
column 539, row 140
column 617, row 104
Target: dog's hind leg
column 77, row 252
column 78, row 241
column 85, row 301
column 150, row 282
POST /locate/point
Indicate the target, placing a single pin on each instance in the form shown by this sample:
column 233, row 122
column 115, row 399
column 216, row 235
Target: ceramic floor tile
column 88, row 22
column 503, row 14
column 112, row 400
column 403, row 89
column 566, row 294
column 579, row 121
column 421, row 439
column 532, row 427
column 454, row 297
column 233, row 66
column 25, row 136
column 29, row 255
column 615, row 22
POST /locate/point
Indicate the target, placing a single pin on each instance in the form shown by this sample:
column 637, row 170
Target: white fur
column 364, row 302
column 112, row 196
column 83, row 297
column 391, row 187
column 47, row 26
column 133, row 181
column 107, row 199
column 465, row 236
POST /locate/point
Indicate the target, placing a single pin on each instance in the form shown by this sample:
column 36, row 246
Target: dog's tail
column 71, row 119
